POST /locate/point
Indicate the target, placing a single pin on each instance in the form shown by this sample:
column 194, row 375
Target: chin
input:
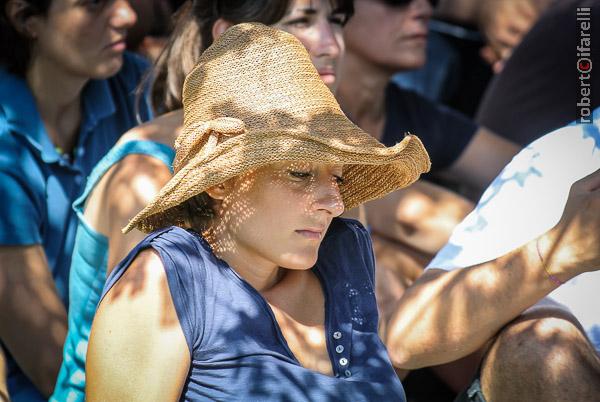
column 108, row 69
column 408, row 64
column 300, row 262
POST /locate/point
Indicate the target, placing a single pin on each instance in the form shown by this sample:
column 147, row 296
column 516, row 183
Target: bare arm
column 124, row 191
column 133, row 184
column 447, row 315
column 137, row 349
column 33, row 320
column 420, row 217
column 485, row 156
column 3, row 385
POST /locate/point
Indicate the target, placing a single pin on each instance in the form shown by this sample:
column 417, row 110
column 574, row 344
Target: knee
column 538, row 342
column 542, row 358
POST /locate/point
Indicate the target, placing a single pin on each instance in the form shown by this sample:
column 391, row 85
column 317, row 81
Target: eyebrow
column 307, row 10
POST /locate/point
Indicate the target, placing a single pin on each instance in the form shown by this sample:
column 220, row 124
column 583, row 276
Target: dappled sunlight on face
column 277, row 216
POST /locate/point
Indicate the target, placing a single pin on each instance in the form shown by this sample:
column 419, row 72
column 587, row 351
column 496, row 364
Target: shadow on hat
column 255, row 99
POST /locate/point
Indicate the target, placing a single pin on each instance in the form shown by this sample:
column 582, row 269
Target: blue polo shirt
column 38, row 185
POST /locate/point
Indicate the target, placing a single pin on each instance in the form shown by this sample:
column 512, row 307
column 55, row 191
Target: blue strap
column 154, row 149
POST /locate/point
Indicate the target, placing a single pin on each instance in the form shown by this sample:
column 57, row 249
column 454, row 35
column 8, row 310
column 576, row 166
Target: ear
column 19, row 15
column 219, row 27
column 221, row 191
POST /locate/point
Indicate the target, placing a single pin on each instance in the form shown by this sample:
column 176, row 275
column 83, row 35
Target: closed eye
column 299, row 174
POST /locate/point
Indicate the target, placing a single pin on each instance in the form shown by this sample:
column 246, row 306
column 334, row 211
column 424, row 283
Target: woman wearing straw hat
column 135, row 169
column 249, row 288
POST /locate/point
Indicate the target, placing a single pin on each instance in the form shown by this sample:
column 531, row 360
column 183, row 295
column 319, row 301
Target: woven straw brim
column 371, row 170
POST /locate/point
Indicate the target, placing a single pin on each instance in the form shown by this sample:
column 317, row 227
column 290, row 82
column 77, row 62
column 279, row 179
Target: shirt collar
column 19, row 113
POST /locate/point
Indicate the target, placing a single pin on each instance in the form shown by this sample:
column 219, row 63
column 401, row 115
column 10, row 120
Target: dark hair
column 193, row 33
column 15, row 46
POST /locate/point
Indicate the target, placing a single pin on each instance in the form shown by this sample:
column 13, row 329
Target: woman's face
column 320, row 31
column 276, row 216
column 392, row 37
column 85, row 38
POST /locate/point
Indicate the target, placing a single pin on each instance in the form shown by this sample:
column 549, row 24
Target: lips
column 118, row 45
column 326, row 71
column 311, row 233
column 420, row 34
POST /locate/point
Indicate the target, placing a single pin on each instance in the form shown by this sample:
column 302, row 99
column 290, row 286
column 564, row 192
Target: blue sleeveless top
column 236, row 347
column 88, row 273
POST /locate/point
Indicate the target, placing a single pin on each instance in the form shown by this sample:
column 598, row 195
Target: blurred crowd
column 498, row 92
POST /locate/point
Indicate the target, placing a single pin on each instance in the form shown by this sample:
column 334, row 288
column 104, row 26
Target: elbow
column 400, row 357
column 403, row 356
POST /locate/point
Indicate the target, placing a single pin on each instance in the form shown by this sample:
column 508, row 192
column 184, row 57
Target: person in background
column 408, row 227
column 66, row 96
column 454, row 74
column 134, row 170
column 505, row 24
column 249, row 288
column 382, row 38
column 387, row 36
column 536, row 349
column 529, row 99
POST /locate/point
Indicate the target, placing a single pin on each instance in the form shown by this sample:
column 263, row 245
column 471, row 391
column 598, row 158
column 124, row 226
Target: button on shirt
column 38, row 185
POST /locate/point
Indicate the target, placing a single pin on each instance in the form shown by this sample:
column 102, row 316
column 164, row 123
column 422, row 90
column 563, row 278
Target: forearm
column 33, row 320
column 447, row 315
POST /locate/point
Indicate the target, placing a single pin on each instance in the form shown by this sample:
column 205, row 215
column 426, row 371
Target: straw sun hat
column 254, row 99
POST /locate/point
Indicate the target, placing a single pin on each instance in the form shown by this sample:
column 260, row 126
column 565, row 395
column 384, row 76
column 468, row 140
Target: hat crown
column 254, row 99
column 260, row 75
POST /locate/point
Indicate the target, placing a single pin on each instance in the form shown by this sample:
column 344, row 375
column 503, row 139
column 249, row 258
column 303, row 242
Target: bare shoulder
column 124, row 190
column 143, row 280
column 164, row 129
column 137, row 178
column 137, row 349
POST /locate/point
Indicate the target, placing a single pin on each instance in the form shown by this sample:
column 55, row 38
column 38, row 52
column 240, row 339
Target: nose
column 122, row 16
column 327, row 42
column 328, row 198
column 421, row 9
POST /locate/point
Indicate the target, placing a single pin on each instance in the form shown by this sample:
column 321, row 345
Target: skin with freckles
column 275, row 217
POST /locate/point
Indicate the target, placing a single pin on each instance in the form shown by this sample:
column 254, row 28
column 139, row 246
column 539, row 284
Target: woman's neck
column 260, row 273
column 58, row 99
column 362, row 93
